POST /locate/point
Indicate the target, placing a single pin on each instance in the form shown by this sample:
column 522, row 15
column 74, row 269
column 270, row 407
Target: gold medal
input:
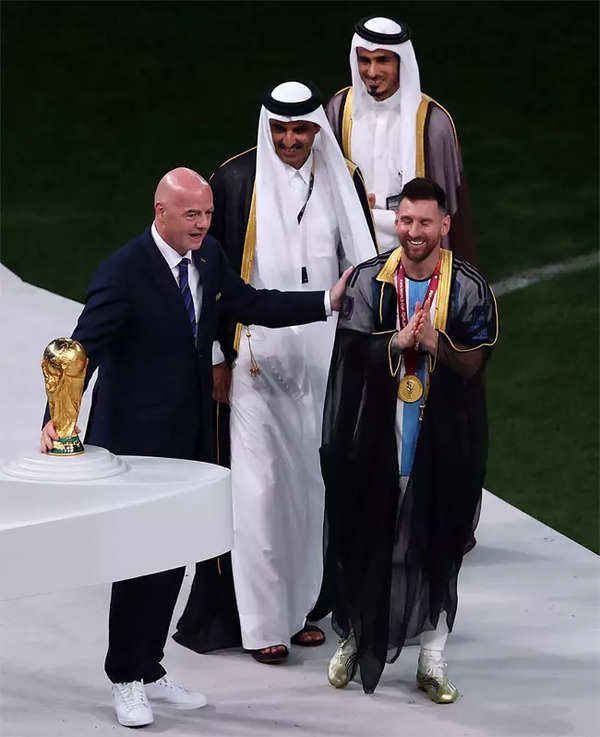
column 410, row 388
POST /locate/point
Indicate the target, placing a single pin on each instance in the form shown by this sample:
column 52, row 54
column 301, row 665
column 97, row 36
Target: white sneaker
column 171, row 693
column 131, row 704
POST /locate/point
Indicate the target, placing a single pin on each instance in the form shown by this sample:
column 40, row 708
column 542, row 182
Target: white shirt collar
column 304, row 171
column 171, row 256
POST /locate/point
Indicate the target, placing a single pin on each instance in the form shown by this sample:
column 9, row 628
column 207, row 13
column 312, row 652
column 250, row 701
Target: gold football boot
column 342, row 665
column 432, row 678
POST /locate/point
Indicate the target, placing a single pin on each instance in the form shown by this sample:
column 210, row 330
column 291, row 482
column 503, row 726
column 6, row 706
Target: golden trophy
column 64, row 365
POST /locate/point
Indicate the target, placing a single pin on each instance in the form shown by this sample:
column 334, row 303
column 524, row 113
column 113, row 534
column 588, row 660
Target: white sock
column 434, row 641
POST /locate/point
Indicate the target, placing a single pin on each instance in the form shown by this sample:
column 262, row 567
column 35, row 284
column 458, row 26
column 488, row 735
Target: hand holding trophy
column 64, row 365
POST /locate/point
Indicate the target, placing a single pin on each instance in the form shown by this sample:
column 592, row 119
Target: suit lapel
column 159, row 269
column 162, row 279
column 201, row 263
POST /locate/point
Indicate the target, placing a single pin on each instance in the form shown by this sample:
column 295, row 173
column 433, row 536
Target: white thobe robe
column 275, row 426
column 376, row 134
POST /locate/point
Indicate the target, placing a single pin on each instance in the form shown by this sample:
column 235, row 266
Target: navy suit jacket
column 154, row 387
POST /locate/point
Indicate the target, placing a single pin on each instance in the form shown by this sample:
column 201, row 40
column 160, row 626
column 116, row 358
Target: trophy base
column 35, row 466
column 67, row 447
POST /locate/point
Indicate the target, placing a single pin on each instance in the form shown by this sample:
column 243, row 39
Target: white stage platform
column 524, row 654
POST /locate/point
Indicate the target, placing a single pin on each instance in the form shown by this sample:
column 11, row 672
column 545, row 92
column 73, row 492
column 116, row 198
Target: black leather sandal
column 298, row 640
column 272, row 658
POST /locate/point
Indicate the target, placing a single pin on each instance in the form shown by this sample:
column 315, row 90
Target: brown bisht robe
column 394, row 559
column 438, row 158
column 210, row 620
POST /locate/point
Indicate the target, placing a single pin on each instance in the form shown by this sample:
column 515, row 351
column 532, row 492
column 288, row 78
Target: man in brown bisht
column 394, row 132
column 405, row 445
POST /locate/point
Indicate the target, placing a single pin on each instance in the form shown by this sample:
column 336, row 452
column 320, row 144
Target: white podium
column 97, row 518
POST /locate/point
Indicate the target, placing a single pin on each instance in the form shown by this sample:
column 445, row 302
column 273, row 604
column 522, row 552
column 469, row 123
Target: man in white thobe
column 290, row 214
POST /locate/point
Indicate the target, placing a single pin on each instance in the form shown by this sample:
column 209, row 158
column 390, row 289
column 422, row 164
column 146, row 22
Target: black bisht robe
column 210, row 620
column 394, row 560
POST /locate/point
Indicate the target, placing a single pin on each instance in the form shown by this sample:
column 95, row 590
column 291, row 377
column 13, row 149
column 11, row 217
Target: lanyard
column 311, row 183
column 410, row 354
column 310, row 189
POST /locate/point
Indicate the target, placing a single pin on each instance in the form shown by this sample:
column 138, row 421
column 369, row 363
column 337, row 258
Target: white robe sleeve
column 217, row 353
column 384, row 221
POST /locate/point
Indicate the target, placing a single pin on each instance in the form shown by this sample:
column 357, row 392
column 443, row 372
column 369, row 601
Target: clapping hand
column 426, row 335
column 407, row 337
column 419, row 333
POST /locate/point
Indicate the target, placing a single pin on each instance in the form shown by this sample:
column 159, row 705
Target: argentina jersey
column 407, row 413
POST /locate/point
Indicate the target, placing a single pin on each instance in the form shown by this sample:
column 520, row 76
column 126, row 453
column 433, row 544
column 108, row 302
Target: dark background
column 101, row 98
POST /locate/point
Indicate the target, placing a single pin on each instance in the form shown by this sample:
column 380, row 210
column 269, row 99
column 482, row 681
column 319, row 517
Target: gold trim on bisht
column 443, row 291
column 479, row 345
column 347, row 124
column 352, row 168
column 420, row 128
column 381, row 304
column 237, row 156
column 389, row 269
column 449, row 118
column 420, row 169
column 387, row 275
column 247, row 257
column 421, row 118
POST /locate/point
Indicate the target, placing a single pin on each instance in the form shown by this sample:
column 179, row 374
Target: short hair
column 421, row 188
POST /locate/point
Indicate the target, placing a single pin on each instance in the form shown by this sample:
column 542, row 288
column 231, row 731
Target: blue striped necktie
column 186, row 293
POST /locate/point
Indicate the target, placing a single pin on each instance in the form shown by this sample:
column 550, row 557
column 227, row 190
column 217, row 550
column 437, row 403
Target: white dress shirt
column 299, row 180
column 173, row 259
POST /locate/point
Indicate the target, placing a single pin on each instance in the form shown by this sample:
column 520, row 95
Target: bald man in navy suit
column 148, row 325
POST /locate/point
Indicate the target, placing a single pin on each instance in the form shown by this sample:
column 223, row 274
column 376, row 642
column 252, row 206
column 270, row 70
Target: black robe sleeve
column 361, row 191
column 232, row 185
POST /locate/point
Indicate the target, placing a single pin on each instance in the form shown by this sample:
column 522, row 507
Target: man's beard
column 421, row 253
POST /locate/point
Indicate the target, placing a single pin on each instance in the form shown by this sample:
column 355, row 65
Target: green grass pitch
column 99, row 99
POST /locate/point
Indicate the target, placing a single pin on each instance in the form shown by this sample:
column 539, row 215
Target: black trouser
column 140, row 615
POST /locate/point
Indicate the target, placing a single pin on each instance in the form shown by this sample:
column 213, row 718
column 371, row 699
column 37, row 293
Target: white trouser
column 431, row 639
column 436, row 639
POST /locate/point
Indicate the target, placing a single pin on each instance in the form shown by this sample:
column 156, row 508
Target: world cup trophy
column 64, row 365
